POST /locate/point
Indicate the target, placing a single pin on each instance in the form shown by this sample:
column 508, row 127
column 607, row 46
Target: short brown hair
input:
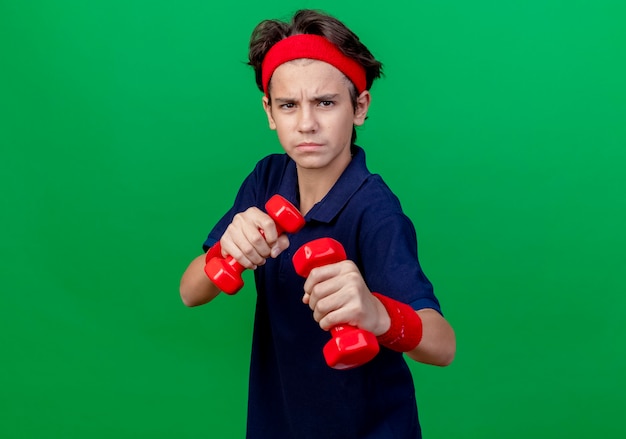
column 307, row 21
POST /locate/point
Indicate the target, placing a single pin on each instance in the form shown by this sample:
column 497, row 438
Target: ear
column 362, row 105
column 268, row 111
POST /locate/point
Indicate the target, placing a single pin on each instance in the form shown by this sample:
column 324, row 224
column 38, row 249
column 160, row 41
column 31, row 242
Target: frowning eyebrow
column 327, row 97
column 321, row 98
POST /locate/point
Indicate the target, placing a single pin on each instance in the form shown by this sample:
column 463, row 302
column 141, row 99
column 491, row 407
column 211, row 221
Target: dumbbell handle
column 235, row 267
column 350, row 346
column 225, row 273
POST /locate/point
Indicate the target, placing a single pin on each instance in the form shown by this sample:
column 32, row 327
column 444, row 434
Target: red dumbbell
column 350, row 346
column 225, row 273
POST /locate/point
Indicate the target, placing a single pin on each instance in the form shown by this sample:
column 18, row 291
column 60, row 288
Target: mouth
column 308, row 144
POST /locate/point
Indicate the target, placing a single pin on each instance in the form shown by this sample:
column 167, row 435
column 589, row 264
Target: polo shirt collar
column 329, row 207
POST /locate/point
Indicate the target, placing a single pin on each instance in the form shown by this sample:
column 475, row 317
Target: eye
column 326, row 103
column 287, row 106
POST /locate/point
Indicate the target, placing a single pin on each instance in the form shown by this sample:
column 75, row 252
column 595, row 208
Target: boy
column 315, row 75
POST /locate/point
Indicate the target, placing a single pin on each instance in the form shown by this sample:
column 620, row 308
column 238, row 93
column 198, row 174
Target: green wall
column 127, row 126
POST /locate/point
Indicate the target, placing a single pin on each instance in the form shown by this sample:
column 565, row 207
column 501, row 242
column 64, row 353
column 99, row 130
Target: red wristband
column 213, row 252
column 405, row 332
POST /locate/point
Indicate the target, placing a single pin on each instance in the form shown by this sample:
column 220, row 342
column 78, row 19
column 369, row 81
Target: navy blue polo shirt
column 292, row 392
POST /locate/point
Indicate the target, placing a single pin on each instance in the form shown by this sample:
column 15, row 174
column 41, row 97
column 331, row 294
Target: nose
column 307, row 122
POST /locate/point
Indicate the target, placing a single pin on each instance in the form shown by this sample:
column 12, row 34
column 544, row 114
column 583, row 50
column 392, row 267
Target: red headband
column 312, row 47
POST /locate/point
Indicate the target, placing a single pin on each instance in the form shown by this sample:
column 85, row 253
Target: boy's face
column 312, row 113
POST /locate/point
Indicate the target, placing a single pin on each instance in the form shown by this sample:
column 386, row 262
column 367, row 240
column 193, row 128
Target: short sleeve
column 246, row 197
column 391, row 264
column 255, row 190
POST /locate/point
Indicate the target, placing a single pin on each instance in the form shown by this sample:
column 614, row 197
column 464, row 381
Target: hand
column 251, row 238
column 337, row 294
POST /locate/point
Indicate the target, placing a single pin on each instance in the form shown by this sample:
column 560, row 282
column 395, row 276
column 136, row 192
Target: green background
column 127, row 126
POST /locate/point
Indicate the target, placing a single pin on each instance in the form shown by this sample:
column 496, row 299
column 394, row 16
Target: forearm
column 438, row 344
column 424, row 335
column 195, row 287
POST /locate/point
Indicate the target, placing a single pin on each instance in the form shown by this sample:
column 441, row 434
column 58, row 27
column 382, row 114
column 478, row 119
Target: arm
column 438, row 345
column 195, row 287
column 337, row 294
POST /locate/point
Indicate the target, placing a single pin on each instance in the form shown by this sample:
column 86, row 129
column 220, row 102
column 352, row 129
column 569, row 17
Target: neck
column 314, row 184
